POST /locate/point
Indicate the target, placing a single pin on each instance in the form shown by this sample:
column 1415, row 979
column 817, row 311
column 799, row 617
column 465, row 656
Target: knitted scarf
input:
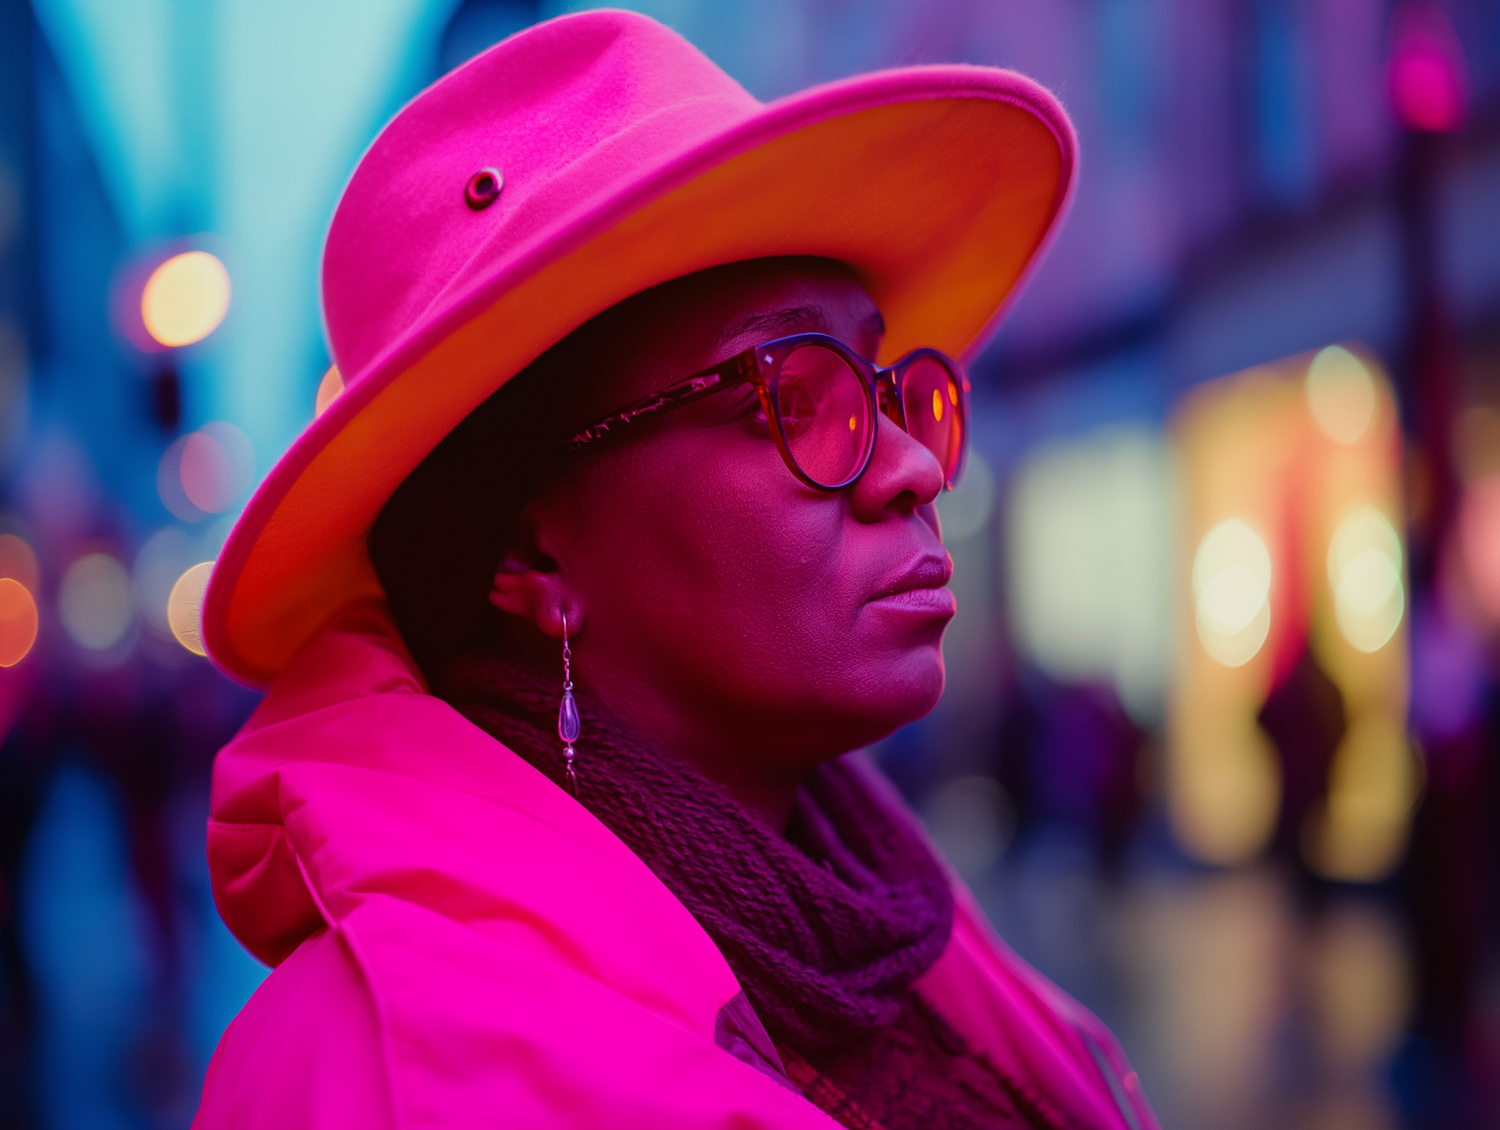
column 826, row 929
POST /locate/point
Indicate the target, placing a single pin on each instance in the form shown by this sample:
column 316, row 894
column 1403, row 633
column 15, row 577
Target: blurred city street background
column 1218, row 749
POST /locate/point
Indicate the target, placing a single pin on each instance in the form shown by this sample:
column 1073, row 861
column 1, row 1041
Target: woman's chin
column 901, row 693
column 922, row 683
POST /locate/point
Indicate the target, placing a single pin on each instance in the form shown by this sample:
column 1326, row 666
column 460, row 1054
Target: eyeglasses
column 821, row 399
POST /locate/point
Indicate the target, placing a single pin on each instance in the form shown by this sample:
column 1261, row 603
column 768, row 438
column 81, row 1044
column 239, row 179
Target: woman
column 572, row 602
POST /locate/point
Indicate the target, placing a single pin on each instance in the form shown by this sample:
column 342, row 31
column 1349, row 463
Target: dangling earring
column 567, row 715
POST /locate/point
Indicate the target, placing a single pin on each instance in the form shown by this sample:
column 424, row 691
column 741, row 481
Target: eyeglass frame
column 760, row 366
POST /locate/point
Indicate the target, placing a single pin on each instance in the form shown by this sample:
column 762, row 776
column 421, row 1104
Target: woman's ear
column 529, row 584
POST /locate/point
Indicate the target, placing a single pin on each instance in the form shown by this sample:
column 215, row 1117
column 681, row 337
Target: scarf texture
column 825, row 929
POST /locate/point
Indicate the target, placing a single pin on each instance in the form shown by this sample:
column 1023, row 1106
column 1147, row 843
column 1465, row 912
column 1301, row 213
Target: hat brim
column 937, row 185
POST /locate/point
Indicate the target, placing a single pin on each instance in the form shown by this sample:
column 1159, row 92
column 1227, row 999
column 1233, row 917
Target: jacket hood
column 350, row 783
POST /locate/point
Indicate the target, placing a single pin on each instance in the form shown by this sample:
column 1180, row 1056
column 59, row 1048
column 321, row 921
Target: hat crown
column 562, row 110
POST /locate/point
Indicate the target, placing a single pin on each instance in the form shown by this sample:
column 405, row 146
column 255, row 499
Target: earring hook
column 568, row 723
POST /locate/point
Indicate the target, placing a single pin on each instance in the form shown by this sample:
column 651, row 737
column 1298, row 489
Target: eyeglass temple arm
column 730, row 374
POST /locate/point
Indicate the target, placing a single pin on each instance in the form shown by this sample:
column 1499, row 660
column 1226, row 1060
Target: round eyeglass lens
column 934, row 418
column 825, row 414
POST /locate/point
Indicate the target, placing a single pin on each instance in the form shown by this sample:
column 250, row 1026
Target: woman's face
column 750, row 624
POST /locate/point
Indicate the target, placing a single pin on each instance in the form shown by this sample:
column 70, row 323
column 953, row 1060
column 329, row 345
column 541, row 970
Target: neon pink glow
column 1427, row 71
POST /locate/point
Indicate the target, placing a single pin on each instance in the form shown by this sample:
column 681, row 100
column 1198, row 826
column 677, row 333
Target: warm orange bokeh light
column 185, row 298
column 18, row 621
column 1291, row 476
column 328, row 390
column 185, row 605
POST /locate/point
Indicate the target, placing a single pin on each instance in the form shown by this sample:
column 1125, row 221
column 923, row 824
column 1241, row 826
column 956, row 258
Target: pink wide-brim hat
column 626, row 158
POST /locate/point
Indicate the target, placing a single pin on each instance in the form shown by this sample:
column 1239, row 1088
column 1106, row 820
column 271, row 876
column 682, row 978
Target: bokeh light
column 1364, row 571
column 94, row 601
column 185, row 298
column 966, row 510
column 1479, row 534
column 1232, row 592
column 328, row 390
column 205, row 472
column 972, row 818
column 1225, row 784
column 217, row 465
column 1427, row 71
column 185, row 606
column 169, row 484
column 1340, row 394
column 1089, row 531
column 18, row 621
column 1372, row 787
column 19, row 562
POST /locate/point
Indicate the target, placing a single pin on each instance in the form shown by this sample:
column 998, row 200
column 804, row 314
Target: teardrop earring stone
column 568, row 727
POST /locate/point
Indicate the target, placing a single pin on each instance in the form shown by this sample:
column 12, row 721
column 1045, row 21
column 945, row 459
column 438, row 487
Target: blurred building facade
column 1262, row 179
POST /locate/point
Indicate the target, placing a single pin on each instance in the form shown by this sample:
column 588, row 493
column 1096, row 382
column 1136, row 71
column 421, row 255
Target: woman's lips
column 919, row 588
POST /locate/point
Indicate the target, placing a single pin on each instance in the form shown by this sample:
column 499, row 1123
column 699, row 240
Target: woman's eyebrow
column 783, row 320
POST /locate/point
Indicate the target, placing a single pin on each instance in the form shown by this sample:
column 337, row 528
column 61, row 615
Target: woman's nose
column 902, row 474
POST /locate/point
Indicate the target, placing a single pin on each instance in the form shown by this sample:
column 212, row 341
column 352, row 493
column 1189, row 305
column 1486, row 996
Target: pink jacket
column 458, row 943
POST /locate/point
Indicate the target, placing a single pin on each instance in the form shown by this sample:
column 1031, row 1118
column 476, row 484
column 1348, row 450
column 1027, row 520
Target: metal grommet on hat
column 483, row 188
